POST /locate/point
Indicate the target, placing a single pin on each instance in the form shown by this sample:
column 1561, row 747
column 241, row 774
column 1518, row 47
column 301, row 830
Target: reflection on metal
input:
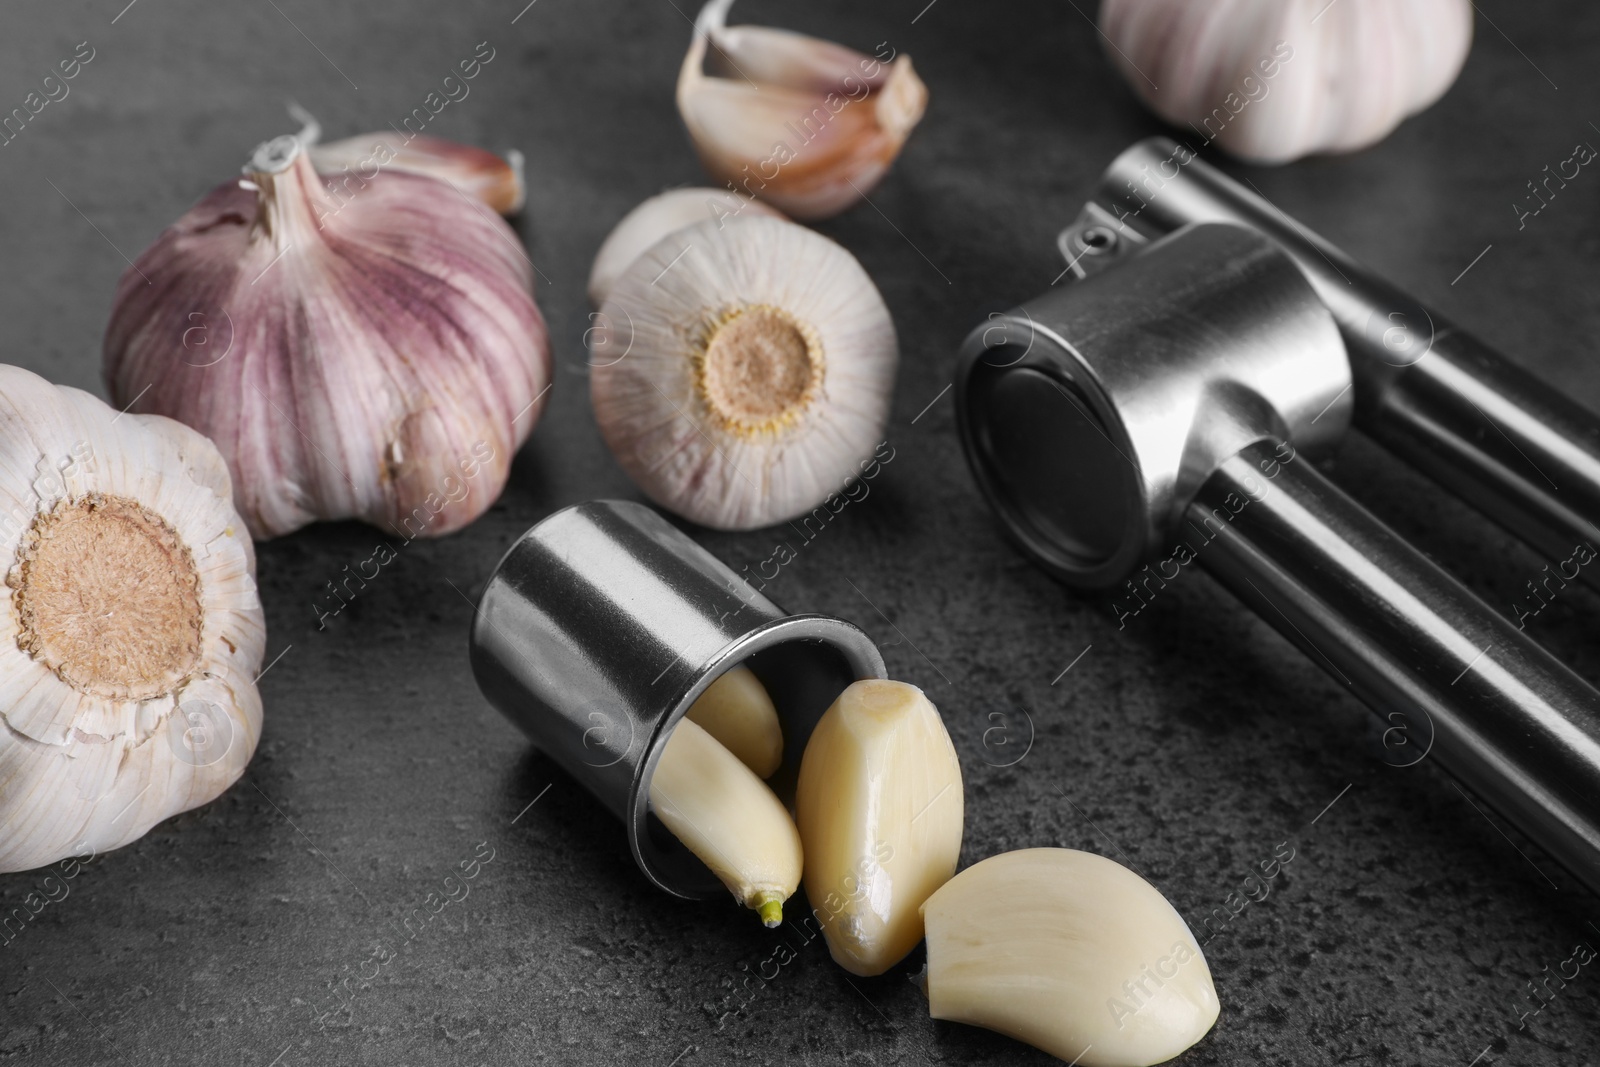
column 603, row 623
column 1518, row 449
column 1167, row 413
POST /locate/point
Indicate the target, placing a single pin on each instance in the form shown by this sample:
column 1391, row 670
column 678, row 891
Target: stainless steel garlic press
column 1161, row 415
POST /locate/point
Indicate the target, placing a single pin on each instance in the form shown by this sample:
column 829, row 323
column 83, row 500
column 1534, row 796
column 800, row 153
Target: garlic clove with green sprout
column 742, row 370
column 130, row 630
column 663, row 214
column 476, row 171
column 369, row 353
column 728, row 818
column 1072, row 953
column 1273, row 82
column 806, row 125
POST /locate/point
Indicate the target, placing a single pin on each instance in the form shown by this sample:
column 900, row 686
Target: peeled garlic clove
column 879, row 806
column 738, row 713
column 130, row 632
column 475, row 171
column 727, row 817
column 657, row 217
column 1070, row 952
column 742, row 370
column 804, row 124
column 1274, row 82
column 371, row 354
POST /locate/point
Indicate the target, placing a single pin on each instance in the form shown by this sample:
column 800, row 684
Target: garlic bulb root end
column 742, row 371
column 127, row 626
column 759, row 368
column 133, row 632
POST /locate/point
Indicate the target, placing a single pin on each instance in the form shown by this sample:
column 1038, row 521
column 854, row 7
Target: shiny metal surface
column 1172, row 363
column 1151, row 417
column 600, row 627
column 1450, row 678
column 1461, row 412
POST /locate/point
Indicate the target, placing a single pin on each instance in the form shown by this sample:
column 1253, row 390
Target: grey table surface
column 1406, row 929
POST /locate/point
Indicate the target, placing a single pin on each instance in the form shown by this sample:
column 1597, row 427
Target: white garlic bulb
column 1072, row 953
column 880, row 809
column 130, row 630
column 727, row 817
column 372, row 354
column 1274, row 80
column 742, row 370
column 657, row 217
column 807, row 125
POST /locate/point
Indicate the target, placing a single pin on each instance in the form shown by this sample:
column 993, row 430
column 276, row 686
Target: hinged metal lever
column 1157, row 416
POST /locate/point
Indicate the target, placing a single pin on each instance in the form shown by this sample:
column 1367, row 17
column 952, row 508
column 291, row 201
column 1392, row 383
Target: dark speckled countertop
column 1406, row 929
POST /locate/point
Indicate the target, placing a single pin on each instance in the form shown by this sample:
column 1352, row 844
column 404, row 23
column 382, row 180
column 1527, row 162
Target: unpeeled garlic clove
column 374, row 353
column 1273, row 82
column 737, row 711
column 132, row 634
column 727, row 817
column 477, row 172
column 805, row 124
column 1070, row 952
column 663, row 214
column 741, row 371
column 879, row 806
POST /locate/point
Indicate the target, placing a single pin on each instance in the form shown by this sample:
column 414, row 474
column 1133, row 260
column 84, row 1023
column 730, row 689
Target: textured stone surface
column 1189, row 745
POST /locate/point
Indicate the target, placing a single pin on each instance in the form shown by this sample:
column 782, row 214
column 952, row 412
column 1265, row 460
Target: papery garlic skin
column 807, row 125
column 1072, row 953
column 497, row 181
column 384, row 358
column 880, row 810
column 663, row 214
column 741, row 371
column 737, row 710
column 1274, row 80
column 130, row 630
column 727, row 817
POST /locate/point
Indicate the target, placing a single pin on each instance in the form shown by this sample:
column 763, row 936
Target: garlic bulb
column 349, row 163
column 130, row 632
column 374, row 354
column 879, row 807
column 748, row 369
column 657, row 217
column 804, row 124
column 1070, row 952
column 727, row 817
column 737, row 711
column 1274, row 80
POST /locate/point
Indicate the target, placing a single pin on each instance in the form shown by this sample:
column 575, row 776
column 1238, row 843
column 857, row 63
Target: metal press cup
column 603, row 624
